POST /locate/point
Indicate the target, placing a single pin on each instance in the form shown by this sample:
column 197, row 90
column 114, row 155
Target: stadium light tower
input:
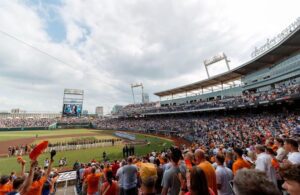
column 217, row 58
column 137, row 85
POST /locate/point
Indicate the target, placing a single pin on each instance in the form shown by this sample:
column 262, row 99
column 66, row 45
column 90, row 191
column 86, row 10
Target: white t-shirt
column 224, row 175
column 264, row 163
column 294, row 157
column 119, row 174
column 281, row 154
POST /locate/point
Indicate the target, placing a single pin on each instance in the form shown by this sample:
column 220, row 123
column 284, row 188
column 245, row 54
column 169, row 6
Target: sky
column 103, row 46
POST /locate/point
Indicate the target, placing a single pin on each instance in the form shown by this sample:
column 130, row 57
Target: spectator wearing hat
column 148, row 174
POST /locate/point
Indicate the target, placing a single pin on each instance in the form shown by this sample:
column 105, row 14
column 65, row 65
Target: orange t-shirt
column 239, row 164
column 274, row 148
column 37, row 186
column 275, row 163
column 112, row 189
column 210, row 174
column 93, row 183
column 5, row 188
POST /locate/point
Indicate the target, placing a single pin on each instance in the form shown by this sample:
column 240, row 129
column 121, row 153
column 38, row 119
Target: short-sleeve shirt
column 239, row 164
column 294, row 157
column 171, row 180
column 5, row 188
column 92, row 182
column 129, row 177
column 224, row 175
column 37, row 186
column 210, row 175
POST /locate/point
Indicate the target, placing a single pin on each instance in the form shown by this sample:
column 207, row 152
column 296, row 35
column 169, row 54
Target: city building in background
column 99, row 111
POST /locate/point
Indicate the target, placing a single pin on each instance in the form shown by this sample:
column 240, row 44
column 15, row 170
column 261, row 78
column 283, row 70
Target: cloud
column 104, row 46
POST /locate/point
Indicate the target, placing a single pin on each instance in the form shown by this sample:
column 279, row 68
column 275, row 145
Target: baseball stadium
column 240, row 125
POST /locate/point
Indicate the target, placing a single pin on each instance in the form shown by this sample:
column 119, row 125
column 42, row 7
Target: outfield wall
column 23, row 128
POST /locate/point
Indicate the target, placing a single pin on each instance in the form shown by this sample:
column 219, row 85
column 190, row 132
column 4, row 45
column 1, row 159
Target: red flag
column 38, row 150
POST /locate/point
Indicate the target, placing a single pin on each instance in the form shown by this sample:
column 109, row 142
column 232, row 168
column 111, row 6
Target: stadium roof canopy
column 283, row 49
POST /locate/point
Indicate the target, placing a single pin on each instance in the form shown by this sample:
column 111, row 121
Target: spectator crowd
column 246, row 99
column 245, row 154
column 267, row 168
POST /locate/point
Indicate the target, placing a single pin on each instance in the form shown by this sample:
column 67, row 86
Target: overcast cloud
column 106, row 45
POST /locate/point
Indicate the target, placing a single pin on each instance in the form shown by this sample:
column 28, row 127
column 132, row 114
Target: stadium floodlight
column 137, row 85
column 217, row 58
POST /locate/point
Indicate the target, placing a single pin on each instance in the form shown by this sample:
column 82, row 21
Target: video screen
column 72, row 109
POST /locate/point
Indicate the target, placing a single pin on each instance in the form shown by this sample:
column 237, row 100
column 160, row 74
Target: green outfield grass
column 10, row 164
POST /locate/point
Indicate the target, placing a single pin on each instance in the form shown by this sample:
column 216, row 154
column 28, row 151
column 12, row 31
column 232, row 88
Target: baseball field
column 18, row 138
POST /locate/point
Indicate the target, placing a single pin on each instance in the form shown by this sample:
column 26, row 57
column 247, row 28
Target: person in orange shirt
column 5, row 185
column 21, row 186
column 273, row 154
column 38, row 181
column 240, row 162
column 92, row 182
column 208, row 170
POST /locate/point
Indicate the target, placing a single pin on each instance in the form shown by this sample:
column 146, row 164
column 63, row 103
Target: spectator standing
column 281, row 152
column 291, row 146
column 115, row 168
column 129, row 178
column 224, row 175
column 5, row 185
column 292, row 180
column 110, row 187
column 170, row 182
column 198, row 183
column 39, row 180
column 207, row 168
column 253, row 182
column 240, row 162
column 92, row 182
column 264, row 163
column 148, row 174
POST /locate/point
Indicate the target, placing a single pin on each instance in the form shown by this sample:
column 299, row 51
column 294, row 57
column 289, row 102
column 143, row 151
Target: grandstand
column 272, row 76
